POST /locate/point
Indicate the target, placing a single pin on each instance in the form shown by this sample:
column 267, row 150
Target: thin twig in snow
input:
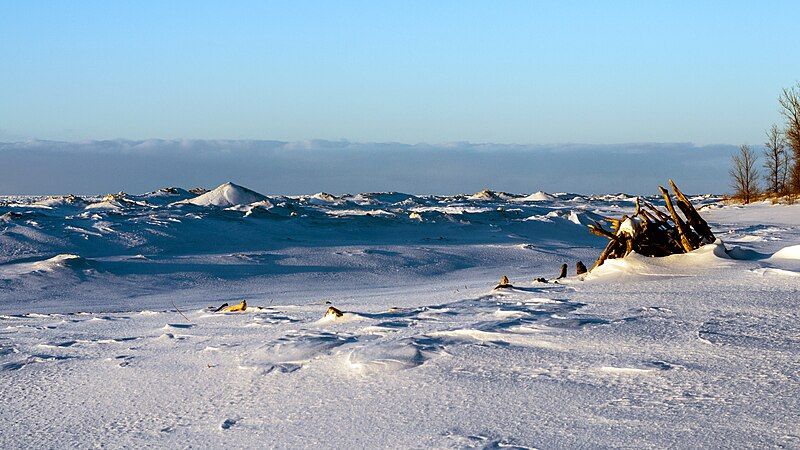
column 179, row 311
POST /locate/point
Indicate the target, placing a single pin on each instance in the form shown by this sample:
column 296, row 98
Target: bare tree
column 787, row 166
column 744, row 174
column 775, row 159
column 790, row 109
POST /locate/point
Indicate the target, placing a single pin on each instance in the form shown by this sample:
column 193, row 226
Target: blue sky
column 428, row 71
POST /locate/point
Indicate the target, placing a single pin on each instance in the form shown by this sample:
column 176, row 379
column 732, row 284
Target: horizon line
column 366, row 142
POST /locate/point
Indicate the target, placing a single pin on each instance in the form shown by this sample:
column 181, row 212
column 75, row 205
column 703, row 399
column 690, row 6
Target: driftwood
column 333, row 312
column 692, row 216
column 652, row 232
column 239, row 307
column 223, row 306
column 504, row 283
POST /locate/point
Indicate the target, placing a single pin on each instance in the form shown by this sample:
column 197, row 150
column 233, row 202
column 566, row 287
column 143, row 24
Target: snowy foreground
column 697, row 350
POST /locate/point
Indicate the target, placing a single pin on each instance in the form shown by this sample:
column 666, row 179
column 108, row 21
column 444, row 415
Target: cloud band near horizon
column 277, row 167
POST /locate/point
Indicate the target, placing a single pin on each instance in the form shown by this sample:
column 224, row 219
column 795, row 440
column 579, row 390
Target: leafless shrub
column 744, row 174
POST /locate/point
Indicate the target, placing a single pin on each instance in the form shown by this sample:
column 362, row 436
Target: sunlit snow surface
column 698, row 350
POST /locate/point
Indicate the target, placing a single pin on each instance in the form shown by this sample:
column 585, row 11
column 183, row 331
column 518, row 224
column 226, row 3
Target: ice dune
column 63, row 263
column 60, row 201
column 538, row 196
column 226, row 195
column 489, row 195
column 323, row 198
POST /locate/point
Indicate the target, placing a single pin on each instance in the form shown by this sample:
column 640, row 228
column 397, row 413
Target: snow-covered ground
column 697, row 350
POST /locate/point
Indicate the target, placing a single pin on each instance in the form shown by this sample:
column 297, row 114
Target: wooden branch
column 692, row 216
column 647, row 216
column 598, row 230
column 685, row 242
column 606, row 252
column 661, row 216
column 614, row 222
column 628, row 245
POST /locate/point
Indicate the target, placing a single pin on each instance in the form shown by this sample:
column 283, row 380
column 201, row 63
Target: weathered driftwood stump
column 652, row 232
